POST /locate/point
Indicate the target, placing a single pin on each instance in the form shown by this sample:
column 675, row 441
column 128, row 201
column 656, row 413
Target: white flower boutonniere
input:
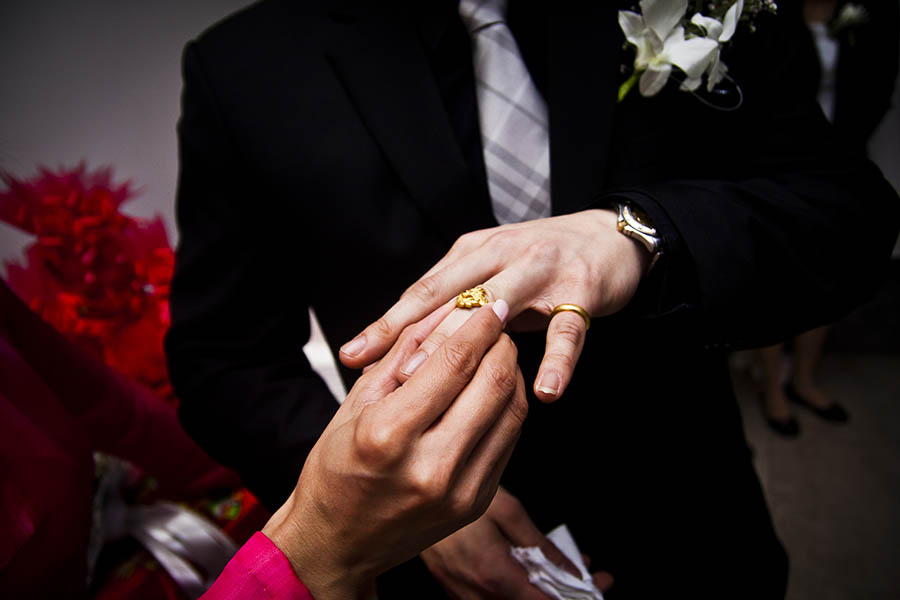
column 850, row 15
column 664, row 38
column 847, row 21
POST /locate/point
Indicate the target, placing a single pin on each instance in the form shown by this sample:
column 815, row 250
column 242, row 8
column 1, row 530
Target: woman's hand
column 400, row 467
column 536, row 265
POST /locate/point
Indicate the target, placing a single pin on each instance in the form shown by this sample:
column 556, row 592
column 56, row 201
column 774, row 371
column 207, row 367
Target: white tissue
column 552, row 580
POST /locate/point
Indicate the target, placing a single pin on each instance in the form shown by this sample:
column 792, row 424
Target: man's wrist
column 636, row 224
column 631, row 251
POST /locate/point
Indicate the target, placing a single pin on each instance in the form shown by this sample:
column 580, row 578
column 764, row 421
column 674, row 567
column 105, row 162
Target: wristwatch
column 636, row 224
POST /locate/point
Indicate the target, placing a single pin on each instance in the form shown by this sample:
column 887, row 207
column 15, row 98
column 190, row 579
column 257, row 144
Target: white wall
column 100, row 81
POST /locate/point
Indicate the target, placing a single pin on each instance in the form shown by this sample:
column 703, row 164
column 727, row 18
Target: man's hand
column 400, row 467
column 536, row 265
column 475, row 562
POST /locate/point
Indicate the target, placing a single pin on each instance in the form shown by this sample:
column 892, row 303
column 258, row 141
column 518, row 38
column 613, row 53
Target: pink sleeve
column 259, row 571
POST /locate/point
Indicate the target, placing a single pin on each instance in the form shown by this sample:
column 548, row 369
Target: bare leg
column 807, row 351
column 774, row 401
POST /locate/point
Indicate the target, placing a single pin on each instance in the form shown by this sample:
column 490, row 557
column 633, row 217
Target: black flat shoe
column 834, row 412
column 788, row 428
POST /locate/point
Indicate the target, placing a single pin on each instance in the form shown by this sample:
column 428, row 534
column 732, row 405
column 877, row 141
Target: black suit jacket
column 319, row 168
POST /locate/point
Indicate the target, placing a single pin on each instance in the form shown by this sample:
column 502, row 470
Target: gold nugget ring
column 477, row 296
column 575, row 309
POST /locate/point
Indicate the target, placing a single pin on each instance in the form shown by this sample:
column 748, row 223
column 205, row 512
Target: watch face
column 640, row 216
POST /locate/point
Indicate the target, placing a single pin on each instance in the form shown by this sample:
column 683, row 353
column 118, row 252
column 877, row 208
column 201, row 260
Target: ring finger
column 565, row 340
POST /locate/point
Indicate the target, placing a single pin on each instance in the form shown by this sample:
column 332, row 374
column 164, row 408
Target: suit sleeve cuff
column 671, row 286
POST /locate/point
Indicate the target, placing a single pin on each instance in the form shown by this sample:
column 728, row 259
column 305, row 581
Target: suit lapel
column 383, row 66
column 585, row 50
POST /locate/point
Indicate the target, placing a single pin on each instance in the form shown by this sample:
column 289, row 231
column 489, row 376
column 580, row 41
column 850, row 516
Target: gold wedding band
column 477, row 296
column 575, row 309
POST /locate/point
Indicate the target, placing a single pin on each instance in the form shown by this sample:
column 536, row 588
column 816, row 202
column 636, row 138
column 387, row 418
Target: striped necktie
column 512, row 114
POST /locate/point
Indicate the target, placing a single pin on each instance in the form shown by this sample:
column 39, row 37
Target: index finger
column 424, row 296
column 444, row 374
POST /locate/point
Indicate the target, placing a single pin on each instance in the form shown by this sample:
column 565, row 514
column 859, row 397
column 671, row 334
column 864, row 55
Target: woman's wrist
column 312, row 555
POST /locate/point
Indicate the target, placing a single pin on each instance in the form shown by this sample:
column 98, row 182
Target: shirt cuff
column 259, row 571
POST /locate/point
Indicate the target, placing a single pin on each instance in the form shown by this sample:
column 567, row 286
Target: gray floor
column 835, row 491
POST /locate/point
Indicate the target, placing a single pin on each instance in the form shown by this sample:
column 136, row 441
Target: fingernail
column 417, row 359
column 501, row 309
column 354, row 346
column 549, row 383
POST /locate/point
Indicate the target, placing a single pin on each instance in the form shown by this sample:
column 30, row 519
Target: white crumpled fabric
column 552, row 580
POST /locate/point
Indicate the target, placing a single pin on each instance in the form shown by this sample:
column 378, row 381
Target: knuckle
column 569, row 330
column 460, row 357
column 500, row 239
column 424, row 290
column 543, row 251
column 518, row 408
column 383, row 328
column 466, row 240
column 543, row 304
column 502, row 378
column 463, row 504
column 434, row 341
column 409, row 333
column 560, row 360
column 429, row 484
column 377, row 443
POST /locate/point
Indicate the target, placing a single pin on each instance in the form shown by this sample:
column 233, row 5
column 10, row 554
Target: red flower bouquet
column 99, row 276
column 102, row 279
